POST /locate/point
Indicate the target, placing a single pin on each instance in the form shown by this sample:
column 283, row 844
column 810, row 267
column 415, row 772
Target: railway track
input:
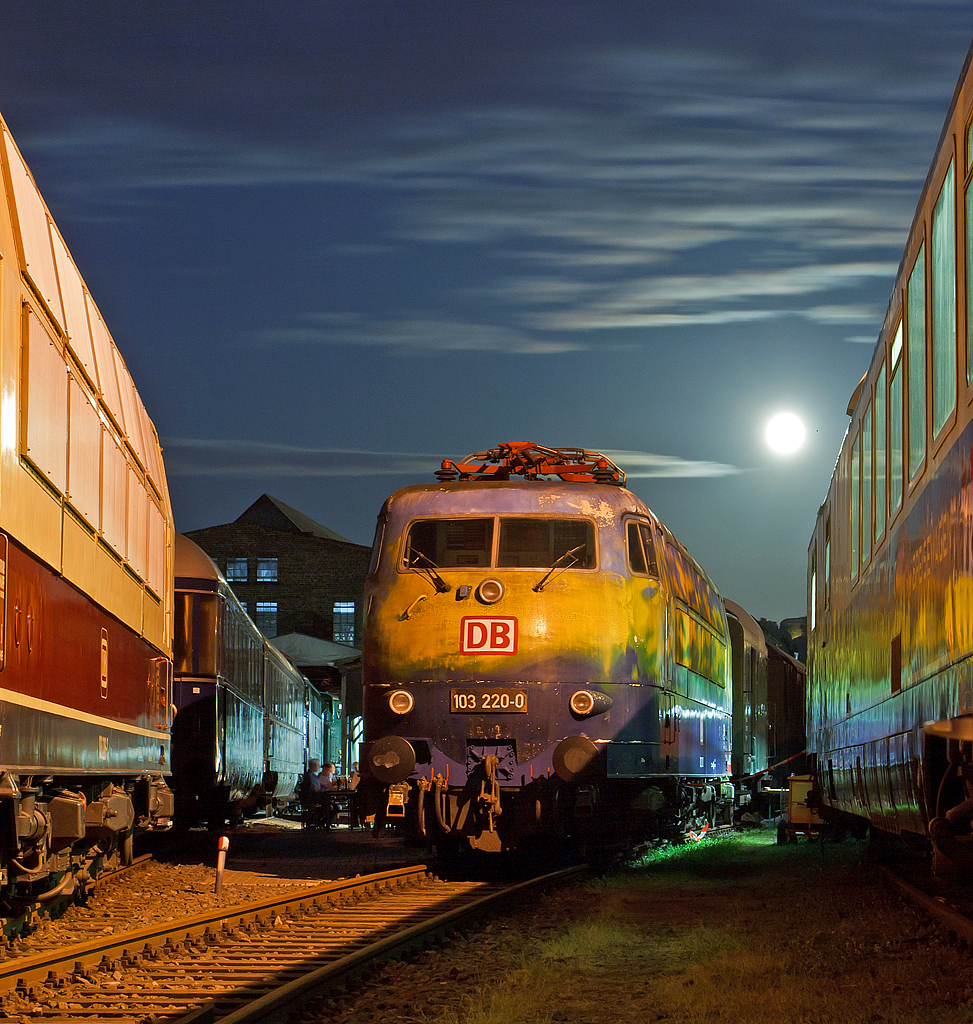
column 253, row 962
column 949, row 906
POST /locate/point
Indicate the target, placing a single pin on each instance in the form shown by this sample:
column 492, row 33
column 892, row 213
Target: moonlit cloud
column 412, row 335
column 690, row 299
column 192, row 457
column 558, row 184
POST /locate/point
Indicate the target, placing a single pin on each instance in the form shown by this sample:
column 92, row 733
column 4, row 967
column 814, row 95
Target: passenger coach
column 890, row 569
column 85, row 572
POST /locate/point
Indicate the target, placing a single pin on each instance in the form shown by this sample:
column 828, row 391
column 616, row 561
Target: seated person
column 329, row 809
column 311, row 791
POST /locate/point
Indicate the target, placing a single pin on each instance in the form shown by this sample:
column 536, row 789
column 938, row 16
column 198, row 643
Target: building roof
column 306, row 651
column 273, row 514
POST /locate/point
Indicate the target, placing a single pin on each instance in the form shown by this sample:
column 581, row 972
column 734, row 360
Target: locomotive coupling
column 490, row 789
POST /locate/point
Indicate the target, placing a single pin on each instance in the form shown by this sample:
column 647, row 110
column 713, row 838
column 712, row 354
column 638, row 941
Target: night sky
column 338, row 241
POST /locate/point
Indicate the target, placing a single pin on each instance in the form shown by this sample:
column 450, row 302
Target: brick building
column 292, row 574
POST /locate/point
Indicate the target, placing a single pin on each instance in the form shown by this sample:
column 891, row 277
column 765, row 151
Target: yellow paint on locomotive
column 417, row 631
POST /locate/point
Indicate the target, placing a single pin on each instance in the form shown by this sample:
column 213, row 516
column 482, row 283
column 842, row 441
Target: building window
column 236, row 570
column 343, row 622
column 265, row 617
column 266, row 570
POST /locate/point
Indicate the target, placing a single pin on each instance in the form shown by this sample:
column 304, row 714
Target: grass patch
column 735, row 929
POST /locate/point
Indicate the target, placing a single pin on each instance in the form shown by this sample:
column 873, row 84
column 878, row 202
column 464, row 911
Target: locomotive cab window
column 449, row 543
column 641, row 549
column 523, row 542
column 543, row 543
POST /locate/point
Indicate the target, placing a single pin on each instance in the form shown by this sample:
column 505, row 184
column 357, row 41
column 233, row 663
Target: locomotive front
column 519, row 675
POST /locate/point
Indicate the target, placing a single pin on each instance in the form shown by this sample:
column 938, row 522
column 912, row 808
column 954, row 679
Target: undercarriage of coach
column 584, row 807
column 58, row 834
column 945, row 789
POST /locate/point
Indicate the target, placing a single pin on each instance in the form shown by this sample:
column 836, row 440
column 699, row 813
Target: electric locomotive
column 542, row 658
column 85, row 574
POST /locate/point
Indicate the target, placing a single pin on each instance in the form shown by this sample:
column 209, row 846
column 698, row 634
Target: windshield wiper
column 442, row 587
column 573, row 554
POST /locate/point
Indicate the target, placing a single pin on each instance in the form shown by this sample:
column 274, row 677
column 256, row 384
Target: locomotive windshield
column 522, row 542
column 539, row 543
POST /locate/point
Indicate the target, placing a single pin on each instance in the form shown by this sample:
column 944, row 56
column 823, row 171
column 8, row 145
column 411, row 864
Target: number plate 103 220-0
column 485, row 702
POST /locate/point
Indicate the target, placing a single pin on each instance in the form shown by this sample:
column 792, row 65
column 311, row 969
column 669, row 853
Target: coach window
column 895, row 422
column 812, row 597
column 916, row 354
column 867, row 491
column 881, row 502
column 827, row 562
column 969, row 275
column 943, row 293
column 856, row 512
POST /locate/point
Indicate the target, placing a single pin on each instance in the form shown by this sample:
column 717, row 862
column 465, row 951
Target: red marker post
column 224, row 845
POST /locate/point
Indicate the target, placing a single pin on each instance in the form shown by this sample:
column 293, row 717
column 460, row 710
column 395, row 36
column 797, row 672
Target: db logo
column 488, row 636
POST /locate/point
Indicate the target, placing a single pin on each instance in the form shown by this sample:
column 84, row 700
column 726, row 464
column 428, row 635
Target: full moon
column 785, row 433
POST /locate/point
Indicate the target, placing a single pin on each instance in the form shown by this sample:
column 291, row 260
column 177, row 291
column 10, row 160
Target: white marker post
column 221, row 863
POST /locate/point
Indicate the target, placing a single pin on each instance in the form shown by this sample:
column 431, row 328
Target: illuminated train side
column 243, row 722
column 85, row 574
column 890, row 566
column 541, row 657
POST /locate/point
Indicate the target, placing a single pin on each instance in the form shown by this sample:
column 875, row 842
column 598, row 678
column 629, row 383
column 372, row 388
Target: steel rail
column 278, row 1006
column 251, row 962
column 71, row 959
column 949, row 917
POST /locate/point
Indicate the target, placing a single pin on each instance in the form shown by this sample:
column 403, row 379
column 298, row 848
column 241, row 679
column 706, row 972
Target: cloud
column 645, row 464
column 195, row 457
column 632, row 163
column 666, row 301
column 418, row 334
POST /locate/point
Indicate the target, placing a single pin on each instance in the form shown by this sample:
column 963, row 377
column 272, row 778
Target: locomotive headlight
column 490, row 591
column 401, row 701
column 582, row 702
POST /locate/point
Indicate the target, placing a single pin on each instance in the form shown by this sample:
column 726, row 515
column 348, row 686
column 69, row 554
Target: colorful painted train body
column 85, row 573
column 890, row 570
column 541, row 657
column 244, row 714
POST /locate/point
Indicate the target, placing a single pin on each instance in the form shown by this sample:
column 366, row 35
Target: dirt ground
column 739, row 930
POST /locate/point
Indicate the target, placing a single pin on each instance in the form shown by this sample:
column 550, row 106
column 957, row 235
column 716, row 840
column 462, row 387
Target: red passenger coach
column 85, row 574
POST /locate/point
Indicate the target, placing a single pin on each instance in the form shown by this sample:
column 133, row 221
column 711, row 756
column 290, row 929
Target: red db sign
column 488, row 636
